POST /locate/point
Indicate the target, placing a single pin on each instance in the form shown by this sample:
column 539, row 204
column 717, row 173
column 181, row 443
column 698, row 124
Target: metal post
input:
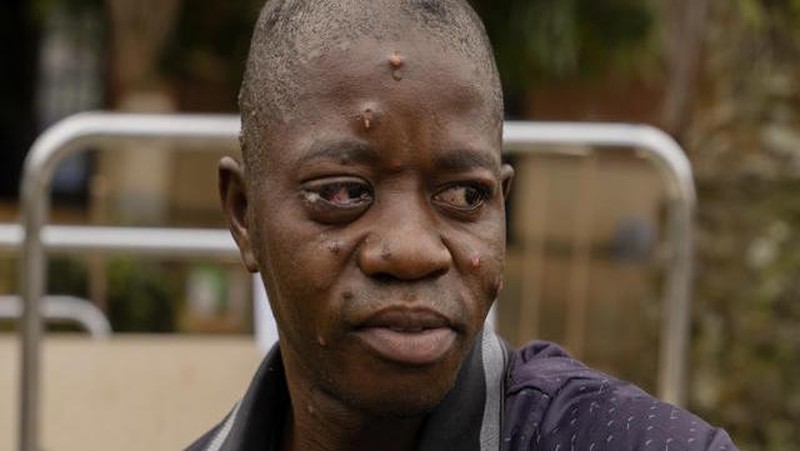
column 62, row 308
column 153, row 241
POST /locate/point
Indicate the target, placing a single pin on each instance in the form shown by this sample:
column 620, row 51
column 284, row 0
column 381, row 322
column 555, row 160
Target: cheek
column 304, row 265
column 301, row 265
column 496, row 248
column 479, row 253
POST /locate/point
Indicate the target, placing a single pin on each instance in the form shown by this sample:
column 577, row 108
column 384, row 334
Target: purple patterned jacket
column 536, row 398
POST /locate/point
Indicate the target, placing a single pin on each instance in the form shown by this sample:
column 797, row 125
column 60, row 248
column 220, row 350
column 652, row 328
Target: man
column 371, row 200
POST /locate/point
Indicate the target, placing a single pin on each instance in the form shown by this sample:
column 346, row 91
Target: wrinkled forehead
column 421, row 69
column 419, row 66
column 285, row 76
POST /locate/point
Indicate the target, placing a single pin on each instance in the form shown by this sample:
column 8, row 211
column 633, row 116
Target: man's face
column 378, row 225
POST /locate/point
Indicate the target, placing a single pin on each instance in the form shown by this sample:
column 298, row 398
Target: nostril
column 385, row 278
column 438, row 273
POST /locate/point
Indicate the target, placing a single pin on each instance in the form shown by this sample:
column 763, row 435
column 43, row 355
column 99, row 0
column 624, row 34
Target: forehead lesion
column 396, row 63
column 368, row 118
column 396, row 60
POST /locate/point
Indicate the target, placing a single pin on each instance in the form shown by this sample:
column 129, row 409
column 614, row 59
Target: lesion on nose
column 404, row 254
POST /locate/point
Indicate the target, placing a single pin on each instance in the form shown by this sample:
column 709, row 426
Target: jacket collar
column 469, row 418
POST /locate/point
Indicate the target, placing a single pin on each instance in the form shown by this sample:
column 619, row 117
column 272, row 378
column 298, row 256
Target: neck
column 317, row 422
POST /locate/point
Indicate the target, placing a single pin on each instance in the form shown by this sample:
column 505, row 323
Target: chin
column 400, row 403
column 403, row 393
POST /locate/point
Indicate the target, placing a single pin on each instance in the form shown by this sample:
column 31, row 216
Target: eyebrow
column 354, row 152
column 343, row 152
column 468, row 159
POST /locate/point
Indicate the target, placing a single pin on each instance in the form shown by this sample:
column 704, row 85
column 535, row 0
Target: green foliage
column 66, row 276
column 210, row 43
column 748, row 342
column 543, row 39
column 40, row 8
column 744, row 146
column 779, row 20
column 141, row 297
column 752, row 11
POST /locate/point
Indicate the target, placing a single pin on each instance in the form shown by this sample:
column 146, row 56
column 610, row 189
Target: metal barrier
column 94, row 129
column 167, row 242
column 63, row 139
column 676, row 170
column 62, row 309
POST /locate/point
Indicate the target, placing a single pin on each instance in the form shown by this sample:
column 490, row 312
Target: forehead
column 395, row 82
column 415, row 59
column 408, row 89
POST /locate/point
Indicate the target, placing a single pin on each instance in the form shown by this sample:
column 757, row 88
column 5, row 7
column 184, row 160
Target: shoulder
column 555, row 402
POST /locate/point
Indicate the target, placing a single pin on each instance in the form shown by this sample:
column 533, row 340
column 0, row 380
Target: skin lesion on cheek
column 334, row 247
column 475, row 262
column 487, row 266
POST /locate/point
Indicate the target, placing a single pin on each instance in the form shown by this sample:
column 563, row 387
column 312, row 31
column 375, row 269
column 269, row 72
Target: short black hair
column 290, row 33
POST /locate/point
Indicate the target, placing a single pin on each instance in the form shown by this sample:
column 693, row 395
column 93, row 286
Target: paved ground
column 130, row 392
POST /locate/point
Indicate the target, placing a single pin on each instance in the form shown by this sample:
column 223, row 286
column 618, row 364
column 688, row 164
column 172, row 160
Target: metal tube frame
column 96, row 129
column 61, row 140
column 62, row 309
column 676, row 170
column 153, row 241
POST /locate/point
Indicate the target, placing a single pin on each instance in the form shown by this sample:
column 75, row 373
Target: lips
column 415, row 337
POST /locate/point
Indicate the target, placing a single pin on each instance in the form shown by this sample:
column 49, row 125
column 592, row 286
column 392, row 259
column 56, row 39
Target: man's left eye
column 462, row 197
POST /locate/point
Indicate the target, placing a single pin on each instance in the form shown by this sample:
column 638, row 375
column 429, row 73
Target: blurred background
column 586, row 229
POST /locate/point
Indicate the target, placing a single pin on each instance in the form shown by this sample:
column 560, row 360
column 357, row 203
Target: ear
column 233, row 193
column 506, row 178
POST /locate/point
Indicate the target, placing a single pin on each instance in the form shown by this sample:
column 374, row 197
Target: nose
column 405, row 244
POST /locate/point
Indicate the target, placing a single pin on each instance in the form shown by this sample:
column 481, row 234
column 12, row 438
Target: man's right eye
column 337, row 200
column 346, row 194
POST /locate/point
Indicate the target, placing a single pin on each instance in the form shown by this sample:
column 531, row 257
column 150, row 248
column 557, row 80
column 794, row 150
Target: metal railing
column 158, row 242
column 676, row 171
column 154, row 241
column 62, row 309
column 97, row 129
column 72, row 135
